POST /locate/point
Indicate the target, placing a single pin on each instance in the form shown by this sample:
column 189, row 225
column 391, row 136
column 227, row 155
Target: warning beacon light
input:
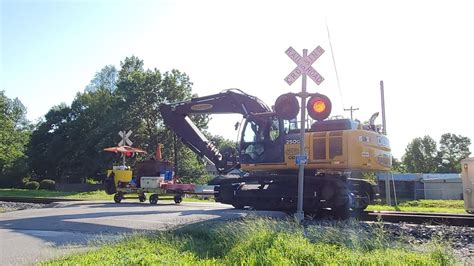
column 319, row 107
column 287, row 106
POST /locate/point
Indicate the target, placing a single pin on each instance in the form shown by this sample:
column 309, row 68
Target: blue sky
column 51, row 49
column 423, row 50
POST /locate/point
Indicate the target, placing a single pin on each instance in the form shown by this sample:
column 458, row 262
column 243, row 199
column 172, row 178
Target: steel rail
column 453, row 219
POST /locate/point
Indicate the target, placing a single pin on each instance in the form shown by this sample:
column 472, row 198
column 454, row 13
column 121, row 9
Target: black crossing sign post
column 304, row 69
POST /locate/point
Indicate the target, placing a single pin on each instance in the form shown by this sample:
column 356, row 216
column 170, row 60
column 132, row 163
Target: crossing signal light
column 287, row 106
column 319, row 107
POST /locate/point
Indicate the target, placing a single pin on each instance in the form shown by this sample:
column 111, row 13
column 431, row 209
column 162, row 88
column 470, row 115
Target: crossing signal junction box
column 467, row 166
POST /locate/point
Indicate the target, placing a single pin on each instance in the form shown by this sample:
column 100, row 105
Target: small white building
column 442, row 186
column 211, row 170
column 422, row 186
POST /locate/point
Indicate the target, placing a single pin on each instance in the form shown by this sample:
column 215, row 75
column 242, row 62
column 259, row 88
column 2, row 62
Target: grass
column 263, row 241
column 25, row 193
column 93, row 195
column 425, row 205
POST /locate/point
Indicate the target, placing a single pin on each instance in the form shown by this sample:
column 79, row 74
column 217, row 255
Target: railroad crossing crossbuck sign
column 125, row 138
column 304, row 65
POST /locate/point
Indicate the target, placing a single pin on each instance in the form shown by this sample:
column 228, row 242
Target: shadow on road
column 115, row 205
column 75, row 223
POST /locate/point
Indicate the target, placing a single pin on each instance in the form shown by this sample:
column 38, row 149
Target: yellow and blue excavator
column 269, row 144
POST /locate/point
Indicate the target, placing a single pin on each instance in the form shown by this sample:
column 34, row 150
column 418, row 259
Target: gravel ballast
column 460, row 240
column 6, row 206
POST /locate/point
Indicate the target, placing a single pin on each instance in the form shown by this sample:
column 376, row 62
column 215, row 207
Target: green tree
column 106, row 79
column 421, row 156
column 69, row 142
column 50, row 144
column 94, row 128
column 222, row 143
column 141, row 94
column 14, row 135
column 175, row 87
column 398, row 166
column 453, row 148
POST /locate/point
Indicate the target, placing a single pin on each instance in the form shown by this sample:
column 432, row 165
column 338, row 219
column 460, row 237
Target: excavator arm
column 176, row 117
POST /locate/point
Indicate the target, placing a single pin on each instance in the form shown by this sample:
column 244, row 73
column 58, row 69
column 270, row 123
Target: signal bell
column 319, row 107
column 287, row 106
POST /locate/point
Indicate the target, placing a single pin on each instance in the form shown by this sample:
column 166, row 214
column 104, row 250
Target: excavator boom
column 176, row 117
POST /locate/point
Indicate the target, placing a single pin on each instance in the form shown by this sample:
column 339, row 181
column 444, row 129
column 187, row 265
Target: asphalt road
column 34, row 235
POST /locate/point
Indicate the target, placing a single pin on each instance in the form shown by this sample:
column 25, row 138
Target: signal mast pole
column 299, row 208
column 304, row 69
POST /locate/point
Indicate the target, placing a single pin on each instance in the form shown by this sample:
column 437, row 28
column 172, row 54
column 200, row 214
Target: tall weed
column 265, row 241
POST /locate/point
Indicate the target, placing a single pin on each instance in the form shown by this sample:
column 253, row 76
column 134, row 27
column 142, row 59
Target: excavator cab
column 262, row 140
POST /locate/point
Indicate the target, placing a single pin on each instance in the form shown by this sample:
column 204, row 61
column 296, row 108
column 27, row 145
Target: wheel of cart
column 118, row 197
column 142, row 197
column 178, row 199
column 154, row 199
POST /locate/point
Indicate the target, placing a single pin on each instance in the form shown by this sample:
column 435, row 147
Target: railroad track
column 386, row 216
column 453, row 219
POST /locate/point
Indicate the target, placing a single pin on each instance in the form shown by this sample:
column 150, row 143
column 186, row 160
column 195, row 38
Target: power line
column 334, row 63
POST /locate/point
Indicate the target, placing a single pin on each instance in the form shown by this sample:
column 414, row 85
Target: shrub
column 12, row 174
column 48, row 184
column 32, row 185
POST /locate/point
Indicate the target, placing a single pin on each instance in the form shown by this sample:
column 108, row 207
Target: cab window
column 274, row 129
column 253, row 132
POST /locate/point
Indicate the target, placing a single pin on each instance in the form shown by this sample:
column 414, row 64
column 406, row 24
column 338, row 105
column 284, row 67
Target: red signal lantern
column 319, row 107
column 287, row 106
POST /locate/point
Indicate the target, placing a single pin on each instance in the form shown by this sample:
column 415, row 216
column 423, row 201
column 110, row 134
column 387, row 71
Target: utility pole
column 352, row 110
column 388, row 196
column 382, row 95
